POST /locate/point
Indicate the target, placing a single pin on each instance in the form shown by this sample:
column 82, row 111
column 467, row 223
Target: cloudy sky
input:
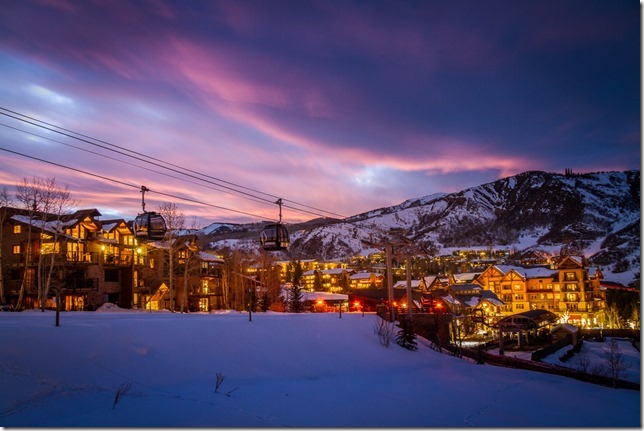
column 337, row 107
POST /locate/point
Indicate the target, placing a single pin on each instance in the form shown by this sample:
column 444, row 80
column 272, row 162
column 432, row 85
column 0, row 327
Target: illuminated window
column 570, row 276
column 50, row 247
column 204, row 286
column 16, row 249
column 17, row 229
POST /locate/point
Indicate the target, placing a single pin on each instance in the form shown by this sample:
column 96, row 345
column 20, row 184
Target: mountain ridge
column 596, row 214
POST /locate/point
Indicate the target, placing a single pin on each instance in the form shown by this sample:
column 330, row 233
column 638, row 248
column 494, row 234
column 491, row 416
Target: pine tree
column 406, row 336
column 296, row 298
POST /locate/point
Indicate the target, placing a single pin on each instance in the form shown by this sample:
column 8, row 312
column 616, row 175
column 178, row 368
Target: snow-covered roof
column 491, row 297
column 402, row 284
column 56, row 227
column 363, row 275
column 429, row 279
column 567, row 326
column 109, row 226
column 209, row 257
column 539, row 272
column 466, row 277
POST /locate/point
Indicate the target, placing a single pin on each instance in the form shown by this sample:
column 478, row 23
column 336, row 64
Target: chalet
column 433, row 282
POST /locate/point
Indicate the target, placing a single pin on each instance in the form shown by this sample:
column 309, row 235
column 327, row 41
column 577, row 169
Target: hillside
column 595, row 214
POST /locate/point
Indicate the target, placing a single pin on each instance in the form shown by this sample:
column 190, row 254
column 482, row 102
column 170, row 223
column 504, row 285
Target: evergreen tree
column 406, row 336
column 265, row 301
column 318, row 285
column 295, row 299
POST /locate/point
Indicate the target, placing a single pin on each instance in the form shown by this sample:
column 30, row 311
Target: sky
column 123, row 368
column 337, row 108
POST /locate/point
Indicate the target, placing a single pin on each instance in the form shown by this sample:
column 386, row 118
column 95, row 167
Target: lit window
column 17, row 229
column 16, row 249
column 49, row 248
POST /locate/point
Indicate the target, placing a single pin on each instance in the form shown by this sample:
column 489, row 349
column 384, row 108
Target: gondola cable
column 67, row 133
column 131, row 185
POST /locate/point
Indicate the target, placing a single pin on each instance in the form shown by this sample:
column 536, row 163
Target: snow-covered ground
column 593, row 355
column 140, row 369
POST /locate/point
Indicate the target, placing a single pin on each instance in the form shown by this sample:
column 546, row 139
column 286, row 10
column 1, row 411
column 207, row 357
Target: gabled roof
column 530, row 319
column 535, row 272
column 491, row 297
column 207, row 257
column 466, row 277
column 577, row 261
column 565, row 327
column 402, row 284
column 365, row 275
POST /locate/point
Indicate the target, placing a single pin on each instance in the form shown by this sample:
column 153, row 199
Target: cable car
column 274, row 237
column 149, row 226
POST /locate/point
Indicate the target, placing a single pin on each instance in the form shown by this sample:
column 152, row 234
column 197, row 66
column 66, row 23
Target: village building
column 366, row 280
column 87, row 262
column 567, row 286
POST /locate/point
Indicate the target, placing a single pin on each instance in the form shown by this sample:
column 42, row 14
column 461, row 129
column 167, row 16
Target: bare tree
column 584, row 362
column 56, row 202
column 28, row 195
column 175, row 223
column 5, row 202
column 635, row 316
column 611, row 317
column 45, row 204
column 191, row 252
column 615, row 361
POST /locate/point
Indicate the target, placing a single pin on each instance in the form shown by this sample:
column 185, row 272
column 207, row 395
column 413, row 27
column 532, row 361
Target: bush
column 384, row 330
column 406, row 336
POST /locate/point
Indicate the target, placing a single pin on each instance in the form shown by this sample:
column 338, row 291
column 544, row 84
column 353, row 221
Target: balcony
column 75, row 284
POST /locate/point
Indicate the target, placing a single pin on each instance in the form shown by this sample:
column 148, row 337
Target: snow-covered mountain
column 594, row 214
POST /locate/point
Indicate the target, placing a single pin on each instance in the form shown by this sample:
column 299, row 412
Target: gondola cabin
column 274, row 237
column 149, row 226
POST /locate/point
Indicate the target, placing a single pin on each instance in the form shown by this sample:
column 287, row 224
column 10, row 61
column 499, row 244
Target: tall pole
column 390, row 281
column 409, row 298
